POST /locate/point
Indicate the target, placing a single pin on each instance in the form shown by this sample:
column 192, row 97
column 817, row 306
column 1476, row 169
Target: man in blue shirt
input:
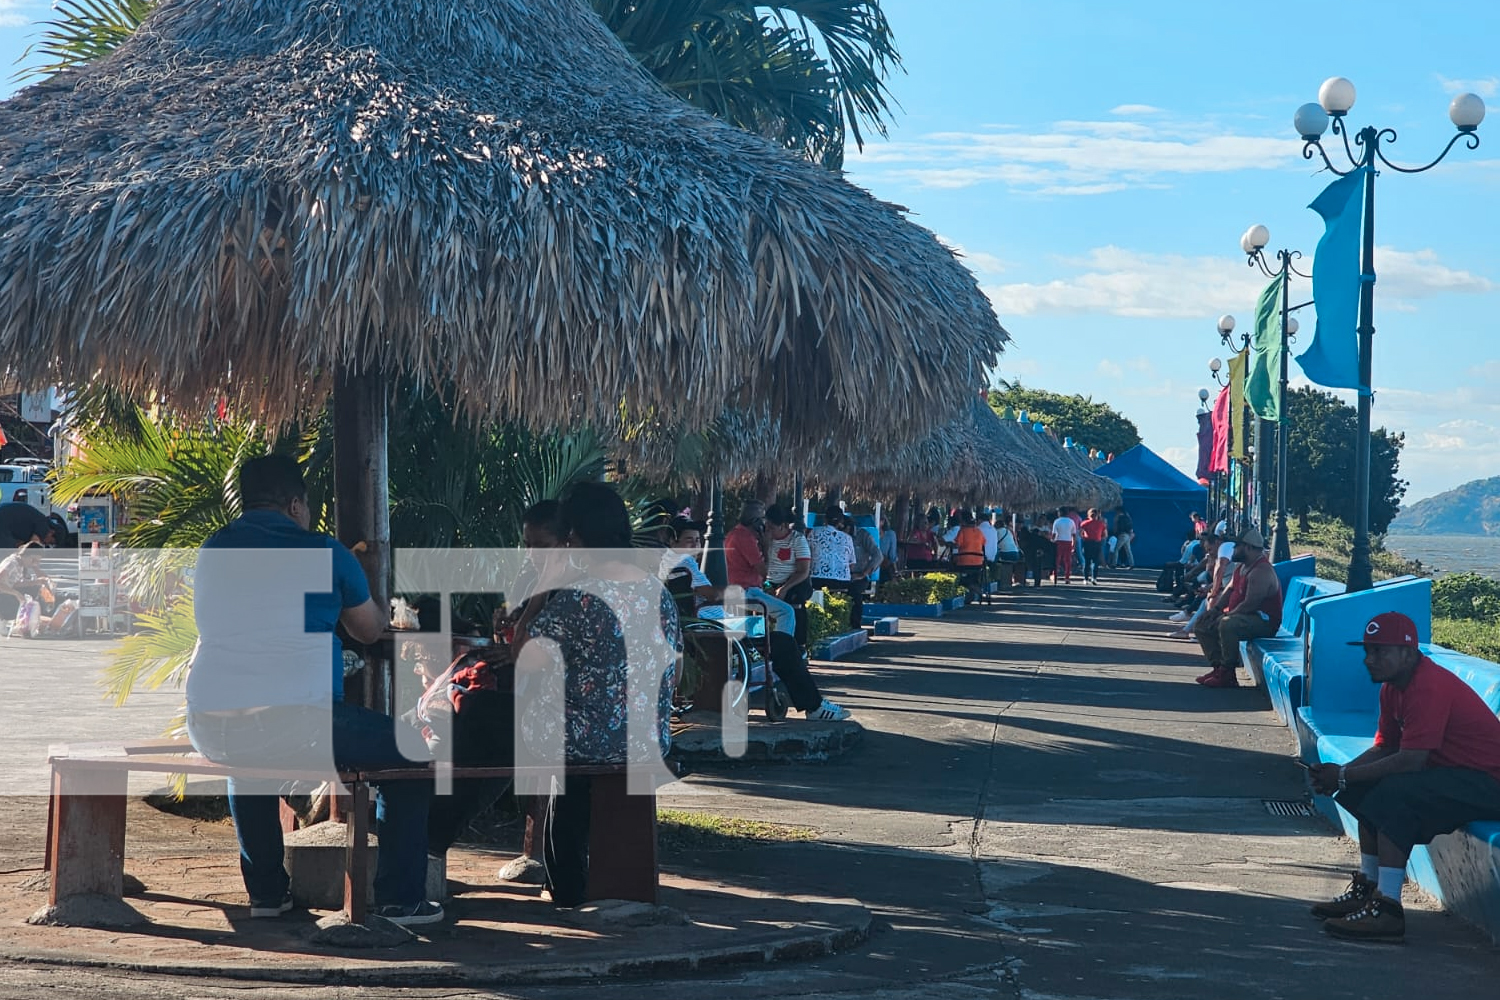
column 265, row 689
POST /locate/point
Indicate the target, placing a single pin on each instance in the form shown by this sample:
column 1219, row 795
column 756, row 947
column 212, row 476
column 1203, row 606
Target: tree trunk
column 362, row 510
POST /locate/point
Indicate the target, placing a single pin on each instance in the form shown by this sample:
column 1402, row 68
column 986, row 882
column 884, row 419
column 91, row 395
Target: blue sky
column 1098, row 162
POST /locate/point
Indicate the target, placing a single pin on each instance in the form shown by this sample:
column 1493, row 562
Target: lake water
column 1450, row 553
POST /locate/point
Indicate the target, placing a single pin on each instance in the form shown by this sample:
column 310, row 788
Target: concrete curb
column 816, row 939
column 792, row 741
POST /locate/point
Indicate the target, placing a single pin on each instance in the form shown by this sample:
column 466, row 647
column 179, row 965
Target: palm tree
column 803, row 73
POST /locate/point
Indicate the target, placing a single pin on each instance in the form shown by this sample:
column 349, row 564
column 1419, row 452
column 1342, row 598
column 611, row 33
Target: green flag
column 1263, row 387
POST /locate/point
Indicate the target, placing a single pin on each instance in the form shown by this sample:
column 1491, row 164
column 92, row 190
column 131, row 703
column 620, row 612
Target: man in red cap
column 1435, row 766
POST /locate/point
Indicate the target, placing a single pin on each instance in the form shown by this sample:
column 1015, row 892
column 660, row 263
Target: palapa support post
column 356, row 866
column 616, row 848
column 86, row 837
column 362, row 512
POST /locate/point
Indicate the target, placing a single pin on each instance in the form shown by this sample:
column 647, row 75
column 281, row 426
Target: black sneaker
column 1380, row 919
column 1350, row 900
column 411, row 914
column 258, row 910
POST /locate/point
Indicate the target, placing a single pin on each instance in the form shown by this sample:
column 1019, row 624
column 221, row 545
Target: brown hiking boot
column 1380, row 919
column 1351, row 899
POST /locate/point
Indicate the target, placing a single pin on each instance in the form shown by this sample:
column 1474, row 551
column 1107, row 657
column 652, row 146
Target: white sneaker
column 1179, row 617
column 829, row 712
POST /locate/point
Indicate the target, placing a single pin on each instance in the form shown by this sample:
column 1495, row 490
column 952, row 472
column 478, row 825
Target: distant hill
column 1470, row 509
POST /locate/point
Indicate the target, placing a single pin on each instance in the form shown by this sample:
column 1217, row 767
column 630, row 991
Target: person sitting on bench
column 255, row 700
column 589, row 629
column 1249, row 608
column 1435, row 766
column 788, row 566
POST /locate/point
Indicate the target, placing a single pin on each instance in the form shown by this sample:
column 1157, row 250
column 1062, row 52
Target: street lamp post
column 1335, row 98
column 1254, row 244
column 1260, row 470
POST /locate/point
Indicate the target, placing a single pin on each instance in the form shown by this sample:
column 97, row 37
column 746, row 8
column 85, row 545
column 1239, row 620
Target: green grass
column 1332, row 541
column 680, row 830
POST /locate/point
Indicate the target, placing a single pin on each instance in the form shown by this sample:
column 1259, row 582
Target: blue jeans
column 293, row 737
column 783, row 616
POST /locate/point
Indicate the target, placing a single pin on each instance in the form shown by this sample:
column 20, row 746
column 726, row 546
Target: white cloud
column 1184, row 459
column 1487, row 86
column 1135, row 109
column 1417, row 274
column 1119, row 282
column 1109, row 369
column 1074, row 157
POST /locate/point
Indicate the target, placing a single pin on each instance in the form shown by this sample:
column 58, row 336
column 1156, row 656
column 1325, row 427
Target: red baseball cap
column 1389, row 629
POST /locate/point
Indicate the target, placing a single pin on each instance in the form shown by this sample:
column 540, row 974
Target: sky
column 1096, row 164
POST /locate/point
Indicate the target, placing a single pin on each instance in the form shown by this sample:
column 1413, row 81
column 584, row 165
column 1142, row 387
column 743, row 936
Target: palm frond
column 84, row 31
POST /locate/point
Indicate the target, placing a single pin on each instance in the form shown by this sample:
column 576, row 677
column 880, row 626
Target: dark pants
column 1414, row 807
column 483, row 736
column 1093, row 552
column 797, row 596
column 291, row 737
column 856, row 591
column 1220, row 635
column 791, row 666
column 565, row 842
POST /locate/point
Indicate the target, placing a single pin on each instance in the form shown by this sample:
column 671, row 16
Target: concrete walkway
column 1043, row 805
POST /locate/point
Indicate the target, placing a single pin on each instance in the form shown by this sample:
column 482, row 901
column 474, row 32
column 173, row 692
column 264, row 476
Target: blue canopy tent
column 1159, row 499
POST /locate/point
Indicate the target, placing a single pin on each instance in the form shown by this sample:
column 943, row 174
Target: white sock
column 1369, row 866
column 1390, row 882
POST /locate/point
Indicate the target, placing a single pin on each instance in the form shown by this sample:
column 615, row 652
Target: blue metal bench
column 1276, row 662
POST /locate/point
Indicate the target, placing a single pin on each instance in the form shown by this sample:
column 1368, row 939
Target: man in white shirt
column 1064, row 534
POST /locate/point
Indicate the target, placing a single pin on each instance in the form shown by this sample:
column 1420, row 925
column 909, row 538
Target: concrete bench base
column 839, row 646
column 874, row 610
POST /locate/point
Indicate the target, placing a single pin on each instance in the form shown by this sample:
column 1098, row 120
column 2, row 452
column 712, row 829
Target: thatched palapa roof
column 251, row 195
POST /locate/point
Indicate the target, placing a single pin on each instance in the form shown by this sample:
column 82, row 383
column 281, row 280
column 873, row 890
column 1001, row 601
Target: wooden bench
column 85, row 851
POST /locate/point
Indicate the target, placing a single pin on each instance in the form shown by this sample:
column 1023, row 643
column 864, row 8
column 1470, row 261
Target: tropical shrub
column 929, row 588
column 1466, row 596
column 829, row 620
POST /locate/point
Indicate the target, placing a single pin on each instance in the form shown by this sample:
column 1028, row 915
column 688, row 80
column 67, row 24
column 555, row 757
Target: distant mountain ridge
column 1470, row 509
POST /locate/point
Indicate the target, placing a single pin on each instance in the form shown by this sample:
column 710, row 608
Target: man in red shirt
column 745, row 561
column 1249, row 608
column 1435, row 766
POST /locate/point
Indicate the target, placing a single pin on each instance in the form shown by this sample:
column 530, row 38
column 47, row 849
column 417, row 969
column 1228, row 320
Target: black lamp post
column 1254, row 244
column 1335, row 98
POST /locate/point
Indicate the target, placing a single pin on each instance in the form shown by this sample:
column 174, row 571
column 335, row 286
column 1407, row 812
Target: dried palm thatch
column 250, row 196
column 970, row 458
column 1064, row 481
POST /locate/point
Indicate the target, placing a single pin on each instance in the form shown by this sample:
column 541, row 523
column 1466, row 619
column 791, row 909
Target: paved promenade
column 1044, row 806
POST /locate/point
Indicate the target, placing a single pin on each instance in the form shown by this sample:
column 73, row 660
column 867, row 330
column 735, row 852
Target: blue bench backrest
column 1481, row 675
column 1336, row 677
column 1299, row 590
column 1300, row 566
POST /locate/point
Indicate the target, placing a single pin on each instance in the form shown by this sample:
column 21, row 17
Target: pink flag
column 1220, row 460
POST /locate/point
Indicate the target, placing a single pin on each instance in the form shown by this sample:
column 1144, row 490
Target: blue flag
column 1333, row 358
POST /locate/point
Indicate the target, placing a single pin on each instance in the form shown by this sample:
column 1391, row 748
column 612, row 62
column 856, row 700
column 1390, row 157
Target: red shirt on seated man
column 1435, row 766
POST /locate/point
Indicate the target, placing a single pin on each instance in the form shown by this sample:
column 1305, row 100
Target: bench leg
column 86, row 833
column 357, row 854
column 622, row 842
